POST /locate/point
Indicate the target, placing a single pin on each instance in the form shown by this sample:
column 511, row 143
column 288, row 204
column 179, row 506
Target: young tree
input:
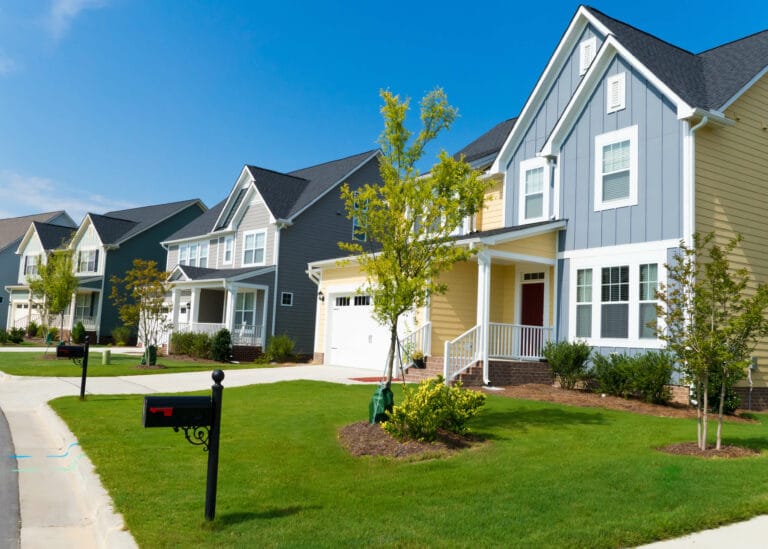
column 140, row 300
column 407, row 221
column 55, row 284
column 711, row 321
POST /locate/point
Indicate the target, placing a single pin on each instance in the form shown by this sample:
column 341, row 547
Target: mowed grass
column 46, row 364
column 550, row 476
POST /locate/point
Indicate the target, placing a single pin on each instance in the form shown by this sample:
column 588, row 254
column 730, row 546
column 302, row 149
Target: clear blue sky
column 107, row 104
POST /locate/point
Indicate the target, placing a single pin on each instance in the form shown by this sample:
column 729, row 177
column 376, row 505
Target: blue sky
column 109, row 104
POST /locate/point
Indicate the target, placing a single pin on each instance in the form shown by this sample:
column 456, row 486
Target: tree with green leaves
column 54, row 285
column 711, row 320
column 140, row 300
column 404, row 226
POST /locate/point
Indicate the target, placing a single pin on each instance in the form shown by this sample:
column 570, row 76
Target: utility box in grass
column 381, row 402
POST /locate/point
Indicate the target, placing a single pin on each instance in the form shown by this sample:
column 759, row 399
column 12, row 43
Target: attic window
column 615, row 99
column 235, row 204
column 587, row 51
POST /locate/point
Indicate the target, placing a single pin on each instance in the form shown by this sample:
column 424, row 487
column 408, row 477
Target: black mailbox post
column 200, row 419
column 79, row 355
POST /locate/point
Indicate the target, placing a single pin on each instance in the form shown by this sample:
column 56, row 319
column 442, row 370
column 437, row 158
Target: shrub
column 430, row 407
column 201, row 346
column 42, row 330
column 121, row 335
column 279, row 348
column 644, row 376
column 16, row 335
column 54, row 333
column 3, row 337
column 568, row 361
column 78, row 333
column 221, row 345
column 32, row 328
column 196, row 345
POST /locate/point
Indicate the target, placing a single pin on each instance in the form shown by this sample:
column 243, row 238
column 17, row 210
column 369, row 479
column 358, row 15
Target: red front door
column 532, row 314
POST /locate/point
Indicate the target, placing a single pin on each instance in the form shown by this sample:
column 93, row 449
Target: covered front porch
column 499, row 306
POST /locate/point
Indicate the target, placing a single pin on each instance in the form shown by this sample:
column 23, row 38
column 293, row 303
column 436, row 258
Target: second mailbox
column 177, row 411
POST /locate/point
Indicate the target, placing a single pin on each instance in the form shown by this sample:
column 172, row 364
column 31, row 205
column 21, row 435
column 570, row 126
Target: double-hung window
column 88, row 261
column 229, row 244
column 534, row 184
column 253, row 247
column 244, row 309
column 31, row 264
column 584, row 303
column 649, row 278
column 616, row 169
column 614, row 297
column 202, row 260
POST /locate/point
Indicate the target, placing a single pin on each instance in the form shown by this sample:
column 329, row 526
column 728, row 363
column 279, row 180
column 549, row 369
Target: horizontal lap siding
column 492, row 215
column 455, row 312
column 732, row 188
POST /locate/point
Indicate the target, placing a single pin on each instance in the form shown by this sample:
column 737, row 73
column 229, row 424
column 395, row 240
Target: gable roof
column 12, row 229
column 118, row 226
column 52, row 236
column 286, row 194
column 706, row 80
column 205, row 273
column 483, row 150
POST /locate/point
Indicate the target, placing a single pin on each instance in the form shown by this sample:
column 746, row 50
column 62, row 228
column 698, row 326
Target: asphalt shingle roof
column 488, row 144
column 119, row 225
column 201, row 225
column 203, row 273
column 706, row 80
column 12, row 229
column 53, row 236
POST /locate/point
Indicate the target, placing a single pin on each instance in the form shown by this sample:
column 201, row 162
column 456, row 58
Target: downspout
column 689, row 229
column 278, row 227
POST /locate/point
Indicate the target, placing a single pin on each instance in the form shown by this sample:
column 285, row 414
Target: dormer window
column 615, row 93
column 587, row 52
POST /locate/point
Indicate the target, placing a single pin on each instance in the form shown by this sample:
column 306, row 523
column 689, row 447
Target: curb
column 109, row 528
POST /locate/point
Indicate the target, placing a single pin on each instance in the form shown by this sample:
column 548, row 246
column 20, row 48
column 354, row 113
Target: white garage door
column 356, row 339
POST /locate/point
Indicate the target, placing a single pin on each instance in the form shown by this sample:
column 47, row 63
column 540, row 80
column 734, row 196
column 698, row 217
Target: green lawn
column 38, row 364
column 551, row 476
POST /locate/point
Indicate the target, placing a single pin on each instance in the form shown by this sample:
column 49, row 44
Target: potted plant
column 418, row 359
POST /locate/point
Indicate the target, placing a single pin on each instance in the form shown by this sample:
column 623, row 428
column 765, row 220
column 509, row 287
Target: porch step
column 501, row 372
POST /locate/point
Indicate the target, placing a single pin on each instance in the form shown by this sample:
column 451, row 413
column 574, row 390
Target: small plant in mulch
column 692, row 449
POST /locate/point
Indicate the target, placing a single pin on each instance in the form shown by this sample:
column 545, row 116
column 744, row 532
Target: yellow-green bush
column 430, row 407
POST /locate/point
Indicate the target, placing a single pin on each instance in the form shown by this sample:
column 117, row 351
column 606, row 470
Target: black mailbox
column 177, row 411
column 70, row 351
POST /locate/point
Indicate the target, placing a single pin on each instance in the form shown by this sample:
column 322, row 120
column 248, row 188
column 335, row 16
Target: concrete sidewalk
column 64, row 505
column 62, row 501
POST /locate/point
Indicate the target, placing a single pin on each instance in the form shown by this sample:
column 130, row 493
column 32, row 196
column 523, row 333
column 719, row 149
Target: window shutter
column 96, row 262
column 26, row 261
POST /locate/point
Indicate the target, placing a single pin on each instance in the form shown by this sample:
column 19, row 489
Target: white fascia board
column 545, row 82
column 81, row 231
column 610, row 50
column 526, row 258
column 25, row 239
column 515, row 235
column 334, row 262
column 743, row 89
column 329, row 189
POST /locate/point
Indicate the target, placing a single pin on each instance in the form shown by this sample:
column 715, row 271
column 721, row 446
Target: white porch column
column 485, row 284
column 194, row 303
column 229, row 313
column 175, row 296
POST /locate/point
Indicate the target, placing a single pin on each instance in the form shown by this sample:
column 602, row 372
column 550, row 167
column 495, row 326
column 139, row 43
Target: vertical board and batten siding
column 314, row 236
column 255, row 218
column 732, row 189
column 542, row 124
column 658, row 213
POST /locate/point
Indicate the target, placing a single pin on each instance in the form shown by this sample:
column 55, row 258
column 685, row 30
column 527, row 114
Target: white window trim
column 527, row 165
column 618, row 82
column 585, row 62
column 231, row 240
column 78, row 256
column 632, row 256
column 264, row 256
column 282, row 294
column 603, row 140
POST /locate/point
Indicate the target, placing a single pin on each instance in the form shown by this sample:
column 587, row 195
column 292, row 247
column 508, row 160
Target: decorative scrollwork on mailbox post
column 200, row 419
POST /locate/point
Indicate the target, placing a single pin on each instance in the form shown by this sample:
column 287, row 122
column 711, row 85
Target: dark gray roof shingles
column 53, row 236
column 119, row 225
column 13, row 229
column 488, row 144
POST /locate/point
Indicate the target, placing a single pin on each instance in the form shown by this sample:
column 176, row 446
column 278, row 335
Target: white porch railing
column 461, row 353
column 209, row 328
column 89, row 322
column 419, row 340
column 515, row 341
column 506, row 341
column 248, row 336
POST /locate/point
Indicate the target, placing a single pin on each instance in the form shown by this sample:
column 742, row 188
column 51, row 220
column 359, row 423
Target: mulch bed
column 361, row 439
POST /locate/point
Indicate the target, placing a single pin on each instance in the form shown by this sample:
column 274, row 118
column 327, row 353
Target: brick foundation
column 500, row 372
column 241, row 353
column 758, row 401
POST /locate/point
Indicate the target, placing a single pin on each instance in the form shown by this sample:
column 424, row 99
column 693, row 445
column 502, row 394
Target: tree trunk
column 705, row 406
column 698, row 414
column 391, row 354
column 720, row 410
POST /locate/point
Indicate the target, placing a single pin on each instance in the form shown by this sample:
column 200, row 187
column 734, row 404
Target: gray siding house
column 242, row 265
column 12, row 231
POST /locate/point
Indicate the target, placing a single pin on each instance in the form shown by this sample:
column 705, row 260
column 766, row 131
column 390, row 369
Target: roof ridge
column 371, row 151
column 709, row 50
column 275, row 172
column 33, row 215
column 591, row 8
